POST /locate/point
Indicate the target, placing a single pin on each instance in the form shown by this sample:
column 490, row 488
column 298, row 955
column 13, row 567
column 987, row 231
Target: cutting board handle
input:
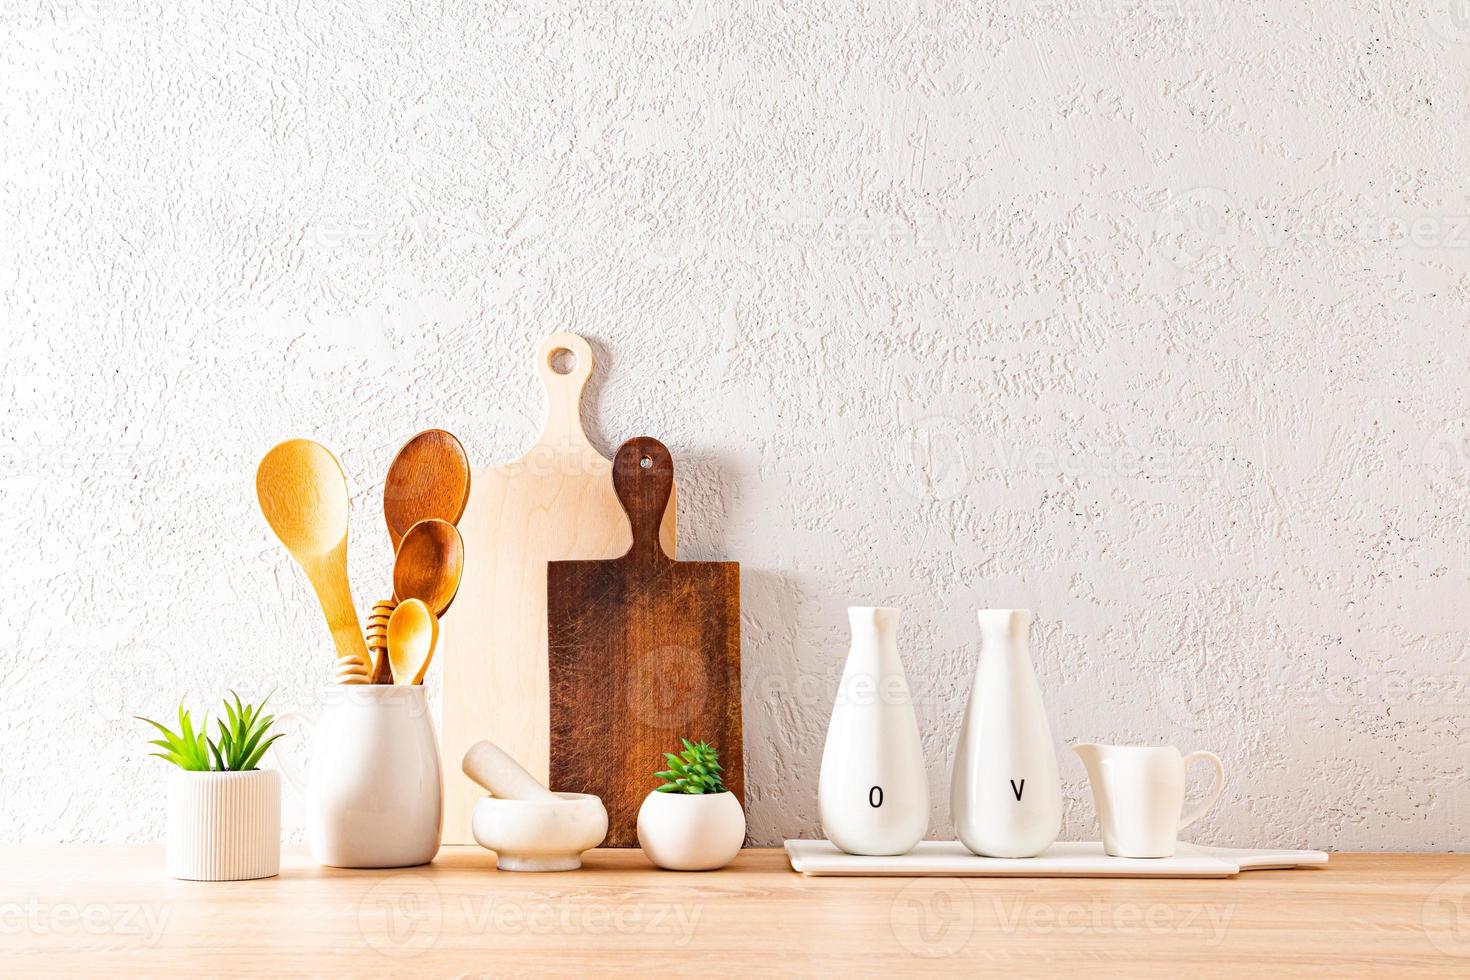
column 643, row 476
column 564, row 351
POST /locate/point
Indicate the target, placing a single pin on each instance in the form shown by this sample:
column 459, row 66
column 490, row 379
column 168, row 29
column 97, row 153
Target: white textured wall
column 1148, row 315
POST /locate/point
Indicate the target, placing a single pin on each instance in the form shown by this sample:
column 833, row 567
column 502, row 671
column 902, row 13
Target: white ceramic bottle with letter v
column 873, row 793
column 1006, row 794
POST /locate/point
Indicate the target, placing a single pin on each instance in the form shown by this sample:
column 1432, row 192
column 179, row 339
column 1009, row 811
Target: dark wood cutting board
column 643, row 650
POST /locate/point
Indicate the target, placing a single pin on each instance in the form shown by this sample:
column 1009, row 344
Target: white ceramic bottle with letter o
column 873, row 793
column 1005, row 793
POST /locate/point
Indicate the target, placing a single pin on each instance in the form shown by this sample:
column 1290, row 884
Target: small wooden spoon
column 430, row 477
column 429, row 565
column 412, row 633
column 303, row 496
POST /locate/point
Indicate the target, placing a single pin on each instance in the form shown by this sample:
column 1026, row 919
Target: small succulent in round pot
column 224, row 813
column 691, row 822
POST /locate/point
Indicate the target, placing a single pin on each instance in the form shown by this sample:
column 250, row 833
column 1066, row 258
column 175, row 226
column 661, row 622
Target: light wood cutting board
column 645, row 651
column 555, row 502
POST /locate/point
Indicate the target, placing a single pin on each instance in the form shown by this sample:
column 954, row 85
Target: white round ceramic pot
column 224, row 826
column 685, row 832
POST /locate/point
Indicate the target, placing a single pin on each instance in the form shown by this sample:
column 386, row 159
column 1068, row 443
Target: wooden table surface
column 109, row 911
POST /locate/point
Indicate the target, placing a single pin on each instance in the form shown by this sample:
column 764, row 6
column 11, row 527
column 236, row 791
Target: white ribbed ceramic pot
column 224, row 826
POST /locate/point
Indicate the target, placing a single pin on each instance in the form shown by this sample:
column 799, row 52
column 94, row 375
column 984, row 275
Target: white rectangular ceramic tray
column 1063, row 860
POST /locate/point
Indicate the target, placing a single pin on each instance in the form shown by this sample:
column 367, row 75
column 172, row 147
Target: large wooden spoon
column 303, row 495
column 430, row 477
column 429, row 565
column 412, row 633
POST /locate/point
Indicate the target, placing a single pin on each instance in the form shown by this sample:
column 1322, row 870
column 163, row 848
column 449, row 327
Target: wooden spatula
column 644, row 650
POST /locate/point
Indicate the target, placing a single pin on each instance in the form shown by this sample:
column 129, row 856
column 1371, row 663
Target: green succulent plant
column 695, row 771
column 241, row 743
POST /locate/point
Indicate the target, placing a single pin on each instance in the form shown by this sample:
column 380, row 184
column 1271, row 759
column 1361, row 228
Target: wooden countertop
column 108, row 911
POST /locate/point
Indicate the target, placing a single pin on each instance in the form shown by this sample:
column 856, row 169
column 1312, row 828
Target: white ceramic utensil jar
column 374, row 790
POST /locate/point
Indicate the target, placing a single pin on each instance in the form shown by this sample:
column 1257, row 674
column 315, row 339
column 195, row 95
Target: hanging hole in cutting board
column 562, row 361
column 646, row 462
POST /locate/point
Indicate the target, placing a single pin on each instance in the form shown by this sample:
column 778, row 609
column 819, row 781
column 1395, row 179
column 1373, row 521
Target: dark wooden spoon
column 430, row 477
column 429, row 565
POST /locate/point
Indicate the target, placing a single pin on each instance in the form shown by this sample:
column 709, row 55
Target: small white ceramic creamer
column 1139, row 793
